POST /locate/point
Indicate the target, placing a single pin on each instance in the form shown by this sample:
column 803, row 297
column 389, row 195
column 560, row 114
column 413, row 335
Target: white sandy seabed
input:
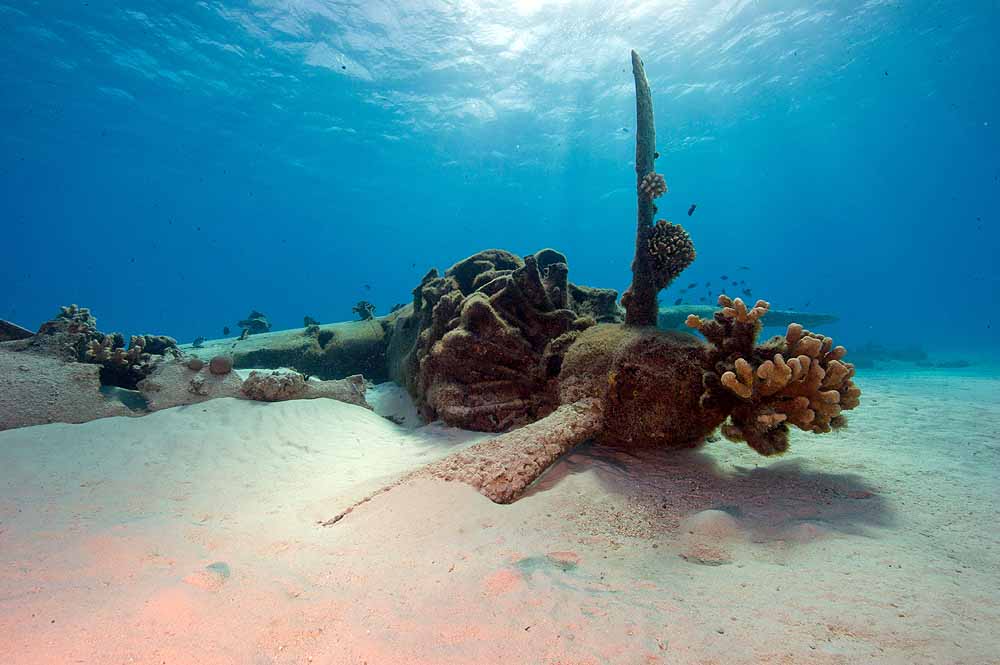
column 191, row 536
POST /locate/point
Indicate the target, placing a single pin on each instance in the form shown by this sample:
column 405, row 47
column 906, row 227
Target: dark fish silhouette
column 703, row 299
column 724, row 278
column 747, row 292
column 744, row 267
column 225, row 330
column 691, row 209
column 692, row 285
column 198, row 342
column 708, row 284
column 368, row 287
column 678, row 301
column 734, row 283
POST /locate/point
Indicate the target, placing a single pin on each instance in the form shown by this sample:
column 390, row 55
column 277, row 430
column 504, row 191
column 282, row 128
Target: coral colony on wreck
column 498, row 343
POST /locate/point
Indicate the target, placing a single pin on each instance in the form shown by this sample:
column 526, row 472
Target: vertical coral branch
column 640, row 298
column 662, row 250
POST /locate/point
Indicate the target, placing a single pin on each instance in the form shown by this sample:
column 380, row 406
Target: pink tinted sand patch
column 503, row 581
column 171, row 610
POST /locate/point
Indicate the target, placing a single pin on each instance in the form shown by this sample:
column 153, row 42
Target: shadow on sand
column 767, row 499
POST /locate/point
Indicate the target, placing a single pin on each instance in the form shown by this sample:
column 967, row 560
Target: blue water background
column 174, row 164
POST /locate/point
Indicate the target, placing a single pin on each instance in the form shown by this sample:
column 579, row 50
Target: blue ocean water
column 172, row 165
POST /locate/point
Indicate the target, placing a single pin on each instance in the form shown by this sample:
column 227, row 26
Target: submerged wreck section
column 497, row 345
column 71, row 372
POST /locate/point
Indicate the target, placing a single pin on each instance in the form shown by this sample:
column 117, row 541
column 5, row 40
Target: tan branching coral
column 765, row 393
column 110, row 352
column 737, row 309
column 653, row 186
column 740, row 381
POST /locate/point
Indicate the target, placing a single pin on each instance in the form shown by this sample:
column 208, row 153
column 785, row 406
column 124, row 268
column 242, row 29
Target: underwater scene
column 473, row 332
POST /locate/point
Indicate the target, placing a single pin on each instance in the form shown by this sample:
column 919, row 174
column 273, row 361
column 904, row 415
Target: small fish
column 225, row 330
column 744, row 267
column 198, row 342
column 691, row 209
column 678, row 301
column 368, row 287
column 808, row 302
column 708, row 284
column 724, row 278
column 747, row 292
column 734, row 283
column 703, row 299
column 692, row 285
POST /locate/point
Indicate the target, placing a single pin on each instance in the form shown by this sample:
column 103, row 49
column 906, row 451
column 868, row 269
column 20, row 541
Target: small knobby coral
column 653, row 185
column 670, row 252
column 764, row 392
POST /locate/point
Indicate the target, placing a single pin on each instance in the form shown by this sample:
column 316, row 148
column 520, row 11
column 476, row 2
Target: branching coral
column 70, row 319
column 765, row 393
column 653, row 186
column 73, row 336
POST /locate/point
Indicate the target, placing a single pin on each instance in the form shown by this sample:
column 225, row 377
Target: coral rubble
column 278, row 386
column 273, row 386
